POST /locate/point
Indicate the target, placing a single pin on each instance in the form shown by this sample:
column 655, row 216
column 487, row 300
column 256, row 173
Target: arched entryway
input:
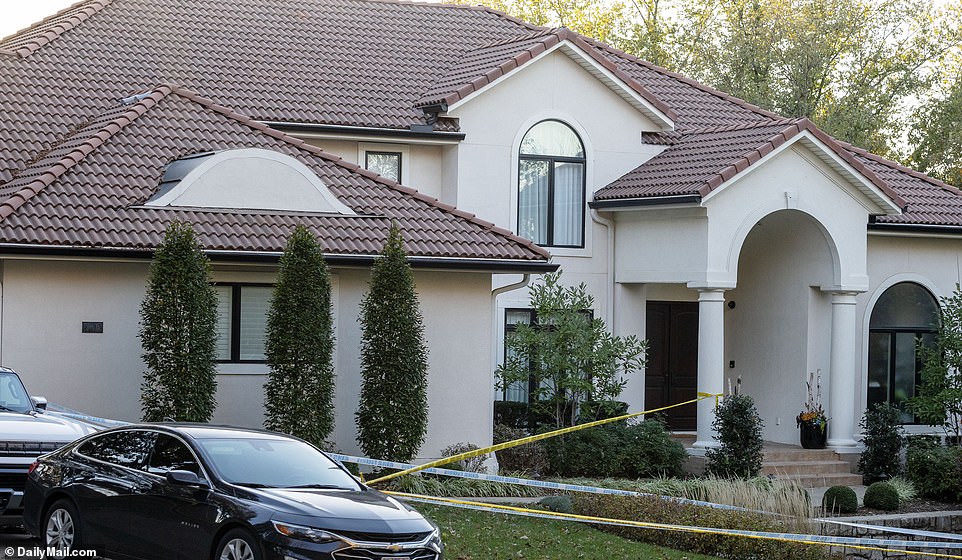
column 778, row 320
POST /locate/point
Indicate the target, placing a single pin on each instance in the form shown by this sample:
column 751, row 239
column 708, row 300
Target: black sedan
column 191, row 491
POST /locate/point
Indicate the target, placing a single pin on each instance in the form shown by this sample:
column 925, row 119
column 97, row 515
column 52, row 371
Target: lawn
column 477, row 535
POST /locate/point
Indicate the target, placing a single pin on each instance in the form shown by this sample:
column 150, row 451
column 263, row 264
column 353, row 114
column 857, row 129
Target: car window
column 12, row 394
column 126, row 448
column 170, row 454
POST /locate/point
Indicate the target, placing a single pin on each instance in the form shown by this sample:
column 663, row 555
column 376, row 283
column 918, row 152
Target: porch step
column 823, row 480
column 811, row 468
column 784, row 454
column 795, row 468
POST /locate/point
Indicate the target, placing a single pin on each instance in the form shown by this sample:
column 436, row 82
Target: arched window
column 905, row 314
column 551, row 186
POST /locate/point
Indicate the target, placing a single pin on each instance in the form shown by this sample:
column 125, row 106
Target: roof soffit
column 613, row 79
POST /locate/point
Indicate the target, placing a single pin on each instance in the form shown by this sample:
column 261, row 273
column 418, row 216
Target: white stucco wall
column 44, row 303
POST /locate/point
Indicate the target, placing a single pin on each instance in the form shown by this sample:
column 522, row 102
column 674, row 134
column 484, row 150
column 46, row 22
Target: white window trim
column 403, row 149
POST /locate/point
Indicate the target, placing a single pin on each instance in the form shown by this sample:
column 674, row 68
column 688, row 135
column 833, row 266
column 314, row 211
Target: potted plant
column 812, row 422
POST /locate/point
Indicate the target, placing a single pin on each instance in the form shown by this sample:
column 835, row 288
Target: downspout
column 525, row 278
column 610, row 284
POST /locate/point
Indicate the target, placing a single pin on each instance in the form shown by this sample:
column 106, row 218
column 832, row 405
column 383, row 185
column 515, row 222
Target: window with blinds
column 242, row 321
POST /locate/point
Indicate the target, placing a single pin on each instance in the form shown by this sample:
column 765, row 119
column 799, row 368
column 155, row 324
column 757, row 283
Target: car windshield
column 269, row 462
column 13, row 397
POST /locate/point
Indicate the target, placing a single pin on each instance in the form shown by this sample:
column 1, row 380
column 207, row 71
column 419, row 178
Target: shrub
column 178, row 319
column 558, row 504
column 589, row 411
column 739, row 429
column 884, row 439
column 649, row 451
column 881, row 495
column 299, row 344
column 936, row 471
column 511, row 414
column 392, row 416
column 840, row 499
column 906, row 490
column 474, row 464
column 656, row 510
column 594, row 452
column 528, row 458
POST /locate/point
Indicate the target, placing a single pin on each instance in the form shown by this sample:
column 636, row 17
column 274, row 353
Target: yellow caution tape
column 537, row 437
column 846, row 542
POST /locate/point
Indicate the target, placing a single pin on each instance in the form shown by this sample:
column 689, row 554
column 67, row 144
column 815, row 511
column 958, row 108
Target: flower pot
column 813, row 436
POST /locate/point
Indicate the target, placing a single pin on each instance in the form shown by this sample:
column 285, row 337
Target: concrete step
column 785, row 455
column 793, row 468
column 827, row 479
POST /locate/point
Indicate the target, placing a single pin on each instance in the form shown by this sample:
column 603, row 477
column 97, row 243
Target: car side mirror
column 184, row 478
column 40, row 403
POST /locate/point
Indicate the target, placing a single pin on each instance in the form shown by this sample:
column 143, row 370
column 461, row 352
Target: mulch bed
column 918, row 505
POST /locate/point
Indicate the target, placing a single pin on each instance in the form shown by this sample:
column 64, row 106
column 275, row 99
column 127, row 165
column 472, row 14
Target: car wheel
column 61, row 528
column 238, row 544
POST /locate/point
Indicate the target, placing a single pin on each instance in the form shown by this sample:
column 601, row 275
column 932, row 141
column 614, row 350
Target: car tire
column 61, row 527
column 238, row 544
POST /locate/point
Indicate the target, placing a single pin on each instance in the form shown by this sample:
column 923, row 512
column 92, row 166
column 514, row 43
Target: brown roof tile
column 88, row 191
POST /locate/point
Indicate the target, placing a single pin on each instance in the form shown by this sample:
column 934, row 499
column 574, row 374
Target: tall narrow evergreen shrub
column 884, row 439
column 392, row 415
column 178, row 331
column 299, row 345
column 739, row 429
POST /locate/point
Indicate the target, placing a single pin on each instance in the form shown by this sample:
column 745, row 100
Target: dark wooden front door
column 671, row 375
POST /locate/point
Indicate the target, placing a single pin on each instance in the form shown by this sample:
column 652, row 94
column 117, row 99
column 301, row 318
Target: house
column 740, row 243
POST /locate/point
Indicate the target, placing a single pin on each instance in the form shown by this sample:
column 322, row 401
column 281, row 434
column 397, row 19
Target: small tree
column 569, row 356
column 177, row 331
column 884, row 439
column 938, row 401
column 392, row 416
column 739, row 429
column 299, row 393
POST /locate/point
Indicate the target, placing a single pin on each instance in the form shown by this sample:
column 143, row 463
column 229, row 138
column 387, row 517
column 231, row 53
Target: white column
column 843, row 375
column 711, row 359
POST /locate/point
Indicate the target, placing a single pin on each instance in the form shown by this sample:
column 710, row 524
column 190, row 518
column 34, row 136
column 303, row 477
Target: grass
column 478, row 535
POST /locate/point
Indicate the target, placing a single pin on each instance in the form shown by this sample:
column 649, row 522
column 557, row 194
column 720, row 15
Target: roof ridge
column 472, row 7
column 899, row 167
column 80, row 12
column 134, row 110
column 684, row 79
column 517, row 39
column 432, row 201
column 747, row 125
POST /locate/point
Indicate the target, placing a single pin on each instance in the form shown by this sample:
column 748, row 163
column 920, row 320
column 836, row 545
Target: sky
column 17, row 14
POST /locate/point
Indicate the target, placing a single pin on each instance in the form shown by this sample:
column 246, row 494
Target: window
column 386, row 164
column 904, row 315
column 241, row 321
column 171, row 454
column 127, row 448
column 551, row 186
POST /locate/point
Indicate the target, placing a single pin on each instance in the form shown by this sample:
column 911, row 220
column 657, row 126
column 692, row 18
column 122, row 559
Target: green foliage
column 881, row 495
column 571, row 355
column 739, row 429
column 528, row 458
column 589, row 411
column 474, row 464
column 935, row 471
column 299, row 345
column 936, row 136
column 904, row 488
column 392, row 416
column 619, row 449
column 938, row 400
column 177, row 331
column 884, row 439
column 840, row 499
column 655, row 510
column 557, row 504
column 429, row 485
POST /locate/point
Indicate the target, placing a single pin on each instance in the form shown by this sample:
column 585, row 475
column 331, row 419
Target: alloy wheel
column 237, row 549
column 60, row 530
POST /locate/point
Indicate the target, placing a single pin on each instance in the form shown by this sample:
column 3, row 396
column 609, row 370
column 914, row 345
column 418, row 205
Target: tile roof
column 365, row 63
column 697, row 162
column 482, row 66
column 88, row 191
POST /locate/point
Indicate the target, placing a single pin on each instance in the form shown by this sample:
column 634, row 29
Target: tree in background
column 177, row 331
column 392, row 416
column 299, row 345
column 937, row 134
column 569, row 357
